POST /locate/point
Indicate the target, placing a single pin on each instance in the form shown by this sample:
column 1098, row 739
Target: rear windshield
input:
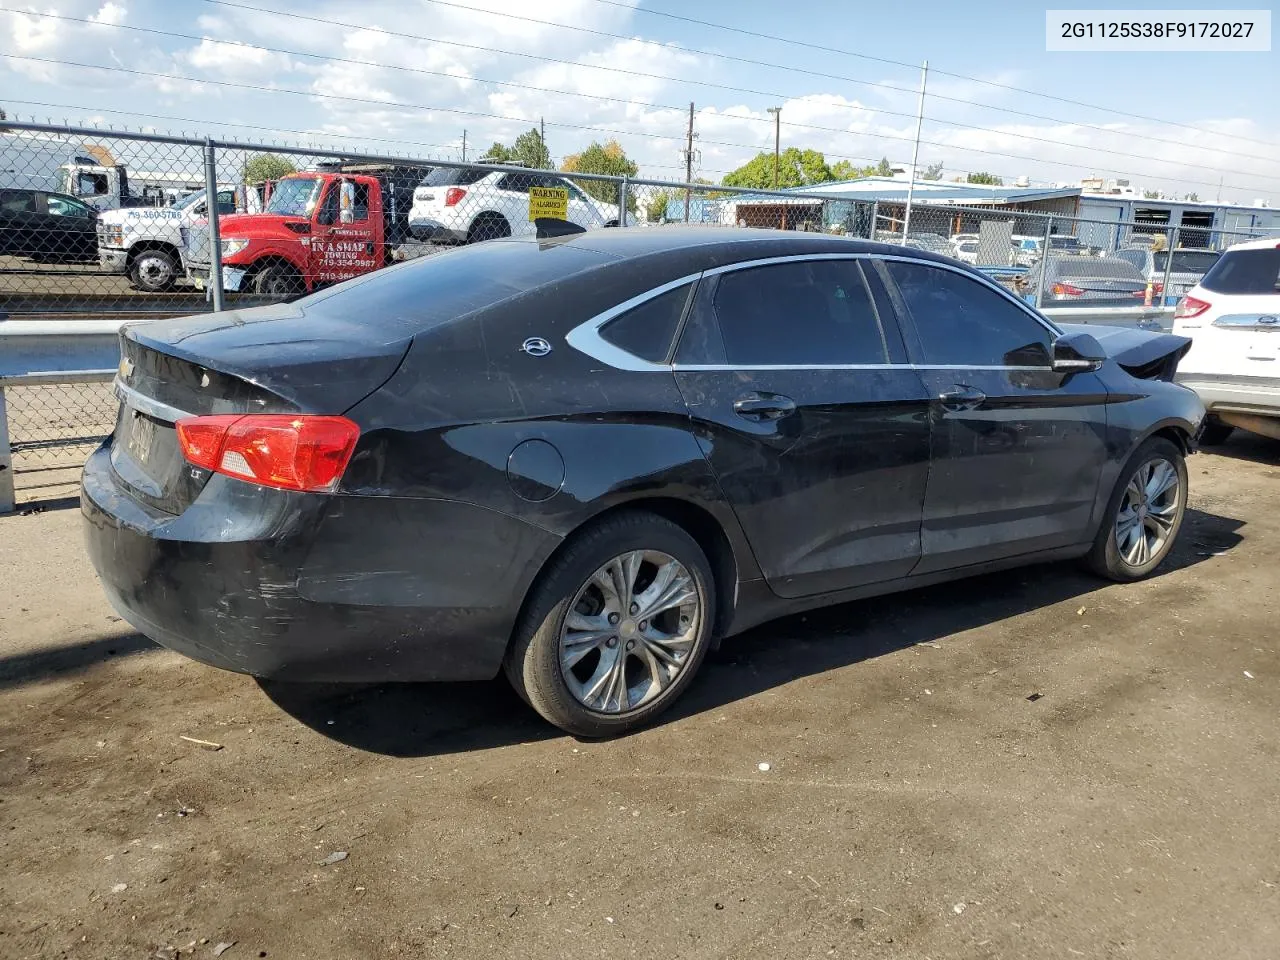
column 454, row 177
column 1187, row 261
column 430, row 291
column 1247, row 272
column 1095, row 267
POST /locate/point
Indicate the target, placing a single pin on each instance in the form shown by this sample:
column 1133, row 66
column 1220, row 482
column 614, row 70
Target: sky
column 409, row 76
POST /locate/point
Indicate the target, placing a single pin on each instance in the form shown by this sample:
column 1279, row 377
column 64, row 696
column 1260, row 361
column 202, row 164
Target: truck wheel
column 153, row 271
column 278, row 281
column 488, row 226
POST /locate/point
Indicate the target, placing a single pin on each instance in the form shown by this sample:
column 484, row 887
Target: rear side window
column 1245, row 272
column 646, row 331
column 962, row 323
column 807, row 313
column 17, row 201
column 454, row 177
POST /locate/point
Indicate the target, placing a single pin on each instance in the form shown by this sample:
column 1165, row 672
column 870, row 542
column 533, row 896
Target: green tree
column 1150, row 194
column 884, row 168
column 1193, row 197
column 608, row 159
column 988, row 178
column 932, row 172
column 796, row 168
column 655, row 207
column 528, row 150
column 266, row 166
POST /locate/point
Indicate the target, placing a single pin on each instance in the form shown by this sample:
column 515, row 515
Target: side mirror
column 346, row 203
column 1076, row 352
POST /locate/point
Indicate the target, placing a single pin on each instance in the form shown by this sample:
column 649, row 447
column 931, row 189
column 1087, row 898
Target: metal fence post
column 1044, row 261
column 1168, row 264
column 215, row 240
column 875, row 215
column 624, row 196
column 8, row 496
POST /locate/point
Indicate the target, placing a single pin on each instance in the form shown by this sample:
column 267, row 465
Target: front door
column 814, row 424
column 340, row 251
column 1017, row 450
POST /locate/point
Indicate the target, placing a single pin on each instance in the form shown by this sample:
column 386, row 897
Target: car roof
column 1269, row 243
column 726, row 244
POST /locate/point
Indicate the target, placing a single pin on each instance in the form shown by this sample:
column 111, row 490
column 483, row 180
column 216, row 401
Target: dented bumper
column 313, row 588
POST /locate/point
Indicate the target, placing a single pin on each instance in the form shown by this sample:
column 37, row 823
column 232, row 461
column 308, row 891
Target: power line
column 758, row 63
column 900, row 63
column 763, row 93
column 509, row 119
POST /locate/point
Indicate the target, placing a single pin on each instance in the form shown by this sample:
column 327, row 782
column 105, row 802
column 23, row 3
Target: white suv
column 1233, row 319
column 469, row 204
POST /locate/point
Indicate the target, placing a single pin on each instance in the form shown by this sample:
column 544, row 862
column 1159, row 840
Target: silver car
column 1188, row 267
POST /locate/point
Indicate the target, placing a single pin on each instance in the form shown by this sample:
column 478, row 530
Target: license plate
column 142, row 435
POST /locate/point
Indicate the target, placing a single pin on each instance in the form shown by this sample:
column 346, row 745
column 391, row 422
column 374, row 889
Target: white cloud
column 110, row 14
column 237, row 60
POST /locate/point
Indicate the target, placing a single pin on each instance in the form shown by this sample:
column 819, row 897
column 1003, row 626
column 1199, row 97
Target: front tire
column 1144, row 514
column 1215, row 432
column 616, row 628
column 153, row 271
column 278, row 281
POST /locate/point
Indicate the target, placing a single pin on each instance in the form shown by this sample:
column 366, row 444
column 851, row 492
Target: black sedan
column 585, row 460
column 47, row 226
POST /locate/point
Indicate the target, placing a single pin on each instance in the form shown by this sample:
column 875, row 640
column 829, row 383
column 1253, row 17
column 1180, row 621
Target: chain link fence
column 53, row 428
column 1089, row 262
column 98, row 224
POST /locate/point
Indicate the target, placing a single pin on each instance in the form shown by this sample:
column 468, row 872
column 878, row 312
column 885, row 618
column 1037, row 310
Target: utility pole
column 688, row 165
column 915, row 154
column 542, row 130
column 464, row 146
column 777, row 140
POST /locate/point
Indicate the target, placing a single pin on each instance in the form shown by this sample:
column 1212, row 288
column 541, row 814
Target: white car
column 469, row 204
column 146, row 242
column 1233, row 319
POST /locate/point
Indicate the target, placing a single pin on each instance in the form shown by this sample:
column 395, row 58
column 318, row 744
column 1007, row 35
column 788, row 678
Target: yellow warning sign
column 550, row 202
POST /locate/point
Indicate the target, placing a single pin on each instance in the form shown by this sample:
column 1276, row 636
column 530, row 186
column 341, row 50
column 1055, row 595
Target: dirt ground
column 1030, row 765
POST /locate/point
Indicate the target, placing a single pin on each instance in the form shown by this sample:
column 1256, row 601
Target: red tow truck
column 316, row 228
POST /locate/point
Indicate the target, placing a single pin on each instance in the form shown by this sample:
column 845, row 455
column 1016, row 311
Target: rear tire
column 585, row 655
column 488, row 226
column 1216, row 432
column 1144, row 514
column 279, row 281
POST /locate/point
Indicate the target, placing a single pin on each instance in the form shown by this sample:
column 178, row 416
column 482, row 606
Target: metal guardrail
column 35, row 353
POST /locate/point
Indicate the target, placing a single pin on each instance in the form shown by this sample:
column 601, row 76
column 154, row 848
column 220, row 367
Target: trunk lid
column 278, row 359
column 1145, row 354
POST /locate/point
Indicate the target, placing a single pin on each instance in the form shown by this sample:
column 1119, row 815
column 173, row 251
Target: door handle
column 759, row 406
column 963, row 397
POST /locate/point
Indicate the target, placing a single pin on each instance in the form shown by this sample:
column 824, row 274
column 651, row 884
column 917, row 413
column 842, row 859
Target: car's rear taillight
column 1190, row 307
column 453, row 196
column 276, row 450
column 1066, row 290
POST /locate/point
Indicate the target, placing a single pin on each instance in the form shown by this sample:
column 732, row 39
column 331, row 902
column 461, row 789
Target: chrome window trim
column 586, row 338
column 144, row 404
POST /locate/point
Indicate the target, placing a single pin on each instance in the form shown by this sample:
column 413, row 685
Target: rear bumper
column 314, row 588
column 1255, row 395
column 426, row 228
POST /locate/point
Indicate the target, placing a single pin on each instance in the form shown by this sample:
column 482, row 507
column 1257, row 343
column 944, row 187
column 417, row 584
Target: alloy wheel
column 630, row 631
column 1148, row 512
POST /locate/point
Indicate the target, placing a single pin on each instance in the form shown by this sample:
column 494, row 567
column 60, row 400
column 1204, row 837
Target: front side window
column 804, row 313
column 65, row 207
column 963, row 323
column 515, row 182
column 294, row 196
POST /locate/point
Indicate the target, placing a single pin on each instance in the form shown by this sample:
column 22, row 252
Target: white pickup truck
column 146, row 242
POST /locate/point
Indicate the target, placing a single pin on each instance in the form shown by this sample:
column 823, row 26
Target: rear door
column 815, row 425
column 1017, row 450
column 18, row 221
